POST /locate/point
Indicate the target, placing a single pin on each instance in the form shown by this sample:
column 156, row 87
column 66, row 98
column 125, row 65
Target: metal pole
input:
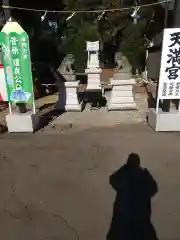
column 7, row 12
column 176, row 14
column 146, row 70
column 177, row 24
column 166, row 14
column 165, row 26
column 10, row 110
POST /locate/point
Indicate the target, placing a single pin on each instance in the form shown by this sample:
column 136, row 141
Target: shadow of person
column 132, row 207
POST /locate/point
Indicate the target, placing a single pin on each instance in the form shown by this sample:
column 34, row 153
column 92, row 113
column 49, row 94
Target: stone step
column 93, row 70
column 73, row 107
column 71, row 90
column 121, row 99
column 93, row 79
column 130, row 81
column 93, row 87
column 122, row 88
column 122, row 93
column 121, row 106
column 71, row 84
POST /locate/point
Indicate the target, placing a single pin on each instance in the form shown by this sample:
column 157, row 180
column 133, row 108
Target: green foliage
column 115, row 28
column 133, row 43
column 79, row 29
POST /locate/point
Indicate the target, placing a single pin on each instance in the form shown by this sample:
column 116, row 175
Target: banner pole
column 34, row 106
column 178, row 105
column 10, row 110
column 157, row 105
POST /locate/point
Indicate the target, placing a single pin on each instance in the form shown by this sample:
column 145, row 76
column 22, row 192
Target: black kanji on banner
column 174, row 56
column 164, row 92
column 175, row 39
column 177, row 91
column 173, row 72
column 171, row 60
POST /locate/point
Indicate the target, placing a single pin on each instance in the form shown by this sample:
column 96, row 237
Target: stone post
column 93, row 70
column 68, row 90
column 121, row 95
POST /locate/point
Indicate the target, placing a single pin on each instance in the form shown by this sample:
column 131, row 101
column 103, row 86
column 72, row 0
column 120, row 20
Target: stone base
column 22, row 122
column 93, row 70
column 121, row 106
column 121, row 95
column 73, row 107
column 68, row 97
column 164, row 121
column 94, row 86
column 94, row 79
column 125, row 82
column 72, row 100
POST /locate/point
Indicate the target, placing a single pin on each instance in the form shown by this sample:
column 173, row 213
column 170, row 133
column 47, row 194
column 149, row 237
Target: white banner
column 169, row 80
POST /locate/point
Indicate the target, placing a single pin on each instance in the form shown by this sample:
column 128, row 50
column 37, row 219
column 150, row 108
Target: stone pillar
column 72, row 99
column 93, row 79
column 93, row 70
column 68, row 89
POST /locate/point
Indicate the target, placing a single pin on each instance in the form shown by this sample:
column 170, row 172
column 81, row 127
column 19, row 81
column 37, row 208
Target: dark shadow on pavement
column 45, row 106
column 3, row 128
column 150, row 98
column 176, row 103
column 3, row 106
column 132, row 207
column 48, row 117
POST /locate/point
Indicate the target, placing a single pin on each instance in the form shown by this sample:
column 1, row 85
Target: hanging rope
column 85, row 11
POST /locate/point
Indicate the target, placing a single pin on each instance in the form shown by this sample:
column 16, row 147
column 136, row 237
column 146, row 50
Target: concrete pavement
column 55, row 185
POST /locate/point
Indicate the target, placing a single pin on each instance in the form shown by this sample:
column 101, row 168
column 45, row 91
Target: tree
column 115, row 30
column 77, row 29
column 134, row 43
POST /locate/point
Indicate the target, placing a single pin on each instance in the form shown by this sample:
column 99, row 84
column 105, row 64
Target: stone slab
column 22, row 122
column 73, row 107
column 164, row 121
column 130, row 81
column 118, row 99
column 94, row 81
column 120, row 88
column 94, row 76
column 91, row 87
column 71, row 84
column 121, row 106
column 122, row 93
column 93, row 70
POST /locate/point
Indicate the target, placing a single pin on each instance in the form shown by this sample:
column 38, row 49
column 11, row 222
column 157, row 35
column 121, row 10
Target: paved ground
column 103, row 118
column 55, row 185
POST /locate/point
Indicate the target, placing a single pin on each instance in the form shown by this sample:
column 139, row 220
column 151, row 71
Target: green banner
column 17, row 67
